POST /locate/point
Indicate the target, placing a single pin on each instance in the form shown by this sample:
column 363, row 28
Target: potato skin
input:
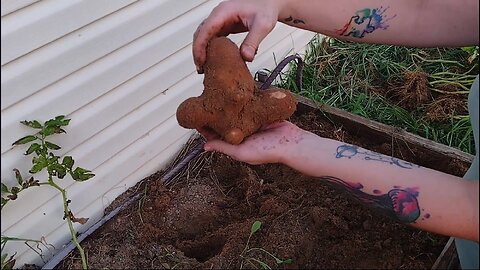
column 230, row 104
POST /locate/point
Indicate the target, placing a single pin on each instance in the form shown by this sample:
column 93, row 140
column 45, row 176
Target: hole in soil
column 203, row 249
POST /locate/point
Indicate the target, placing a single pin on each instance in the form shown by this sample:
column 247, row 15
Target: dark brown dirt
column 204, row 221
column 230, row 104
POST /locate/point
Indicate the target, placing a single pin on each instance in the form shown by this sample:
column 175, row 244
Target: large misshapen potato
column 231, row 104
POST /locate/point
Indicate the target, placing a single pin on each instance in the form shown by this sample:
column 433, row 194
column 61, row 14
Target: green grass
column 343, row 74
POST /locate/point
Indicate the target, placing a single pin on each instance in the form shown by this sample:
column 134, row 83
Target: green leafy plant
column 247, row 252
column 360, row 78
column 43, row 159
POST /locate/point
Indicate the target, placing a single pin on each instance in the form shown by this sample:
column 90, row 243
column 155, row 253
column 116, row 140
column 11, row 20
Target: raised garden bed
column 203, row 218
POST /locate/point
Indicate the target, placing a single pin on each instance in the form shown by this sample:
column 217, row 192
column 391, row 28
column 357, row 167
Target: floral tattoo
column 365, row 21
column 398, row 203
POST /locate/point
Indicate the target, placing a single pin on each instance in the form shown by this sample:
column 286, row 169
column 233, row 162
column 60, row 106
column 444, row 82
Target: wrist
column 298, row 148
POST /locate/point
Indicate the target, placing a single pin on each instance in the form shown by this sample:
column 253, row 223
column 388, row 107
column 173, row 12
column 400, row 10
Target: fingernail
column 248, row 52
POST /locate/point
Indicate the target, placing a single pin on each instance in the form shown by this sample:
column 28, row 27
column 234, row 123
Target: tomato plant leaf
column 18, row 176
column 34, row 147
column 4, row 201
column 59, row 131
column 25, row 140
column 38, row 165
column 80, row 220
column 52, row 146
column 47, row 131
column 81, row 174
column 32, row 124
column 61, row 171
column 68, row 162
column 5, row 188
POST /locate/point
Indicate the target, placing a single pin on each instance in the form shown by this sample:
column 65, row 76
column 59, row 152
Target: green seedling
column 43, row 159
column 247, row 257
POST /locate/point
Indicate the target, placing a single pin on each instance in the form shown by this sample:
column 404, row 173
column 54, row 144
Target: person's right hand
column 274, row 143
column 257, row 17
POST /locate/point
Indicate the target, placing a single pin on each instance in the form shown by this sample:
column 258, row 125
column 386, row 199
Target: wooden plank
column 359, row 125
column 448, row 258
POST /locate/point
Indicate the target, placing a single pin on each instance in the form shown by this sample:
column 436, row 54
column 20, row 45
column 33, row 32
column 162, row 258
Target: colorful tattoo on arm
column 398, row 203
column 294, row 21
column 349, row 151
column 365, row 21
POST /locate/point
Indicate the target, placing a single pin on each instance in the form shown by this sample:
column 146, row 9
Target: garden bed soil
column 203, row 219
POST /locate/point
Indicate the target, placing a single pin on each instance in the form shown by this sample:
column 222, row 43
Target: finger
column 258, row 31
column 222, row 147
column 273, row 125
column 207, row 30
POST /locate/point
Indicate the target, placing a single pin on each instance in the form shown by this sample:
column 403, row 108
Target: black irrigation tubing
column 280, row 67
column 194, row 152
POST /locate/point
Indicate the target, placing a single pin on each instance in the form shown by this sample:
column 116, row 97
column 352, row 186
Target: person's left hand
column 271, row 144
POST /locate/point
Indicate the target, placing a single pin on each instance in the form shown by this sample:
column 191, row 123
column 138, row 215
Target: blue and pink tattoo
column 365, row 21
column 399, row 202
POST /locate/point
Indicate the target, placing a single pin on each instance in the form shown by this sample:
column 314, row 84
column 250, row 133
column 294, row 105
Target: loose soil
column 203, row 220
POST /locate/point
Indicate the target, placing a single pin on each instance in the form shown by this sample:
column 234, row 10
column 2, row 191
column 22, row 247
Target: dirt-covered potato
column 231, row 104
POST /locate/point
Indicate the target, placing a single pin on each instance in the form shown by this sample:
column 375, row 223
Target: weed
column 247, row 257
column 141, row 202
column 44, row 159
column 378, row 82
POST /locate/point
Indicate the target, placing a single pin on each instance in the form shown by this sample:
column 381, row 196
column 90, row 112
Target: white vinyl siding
column 118, row 69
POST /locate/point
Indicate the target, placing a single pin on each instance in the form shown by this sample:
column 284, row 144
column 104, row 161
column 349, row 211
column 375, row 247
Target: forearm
column 425, row 23
column 421, row 197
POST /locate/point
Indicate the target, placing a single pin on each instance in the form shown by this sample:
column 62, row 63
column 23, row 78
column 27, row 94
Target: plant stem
column 450, row 82
column 450, row 93
column 246, row 246
column 436, row 60
column 69, row 222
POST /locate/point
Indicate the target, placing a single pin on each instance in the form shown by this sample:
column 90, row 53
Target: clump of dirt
column 231, row 104
column 204, row 222
column 443, row 108
column 410, row 90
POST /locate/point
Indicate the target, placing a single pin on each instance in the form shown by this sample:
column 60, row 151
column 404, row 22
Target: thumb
column 221, row 146
column 257, row 34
